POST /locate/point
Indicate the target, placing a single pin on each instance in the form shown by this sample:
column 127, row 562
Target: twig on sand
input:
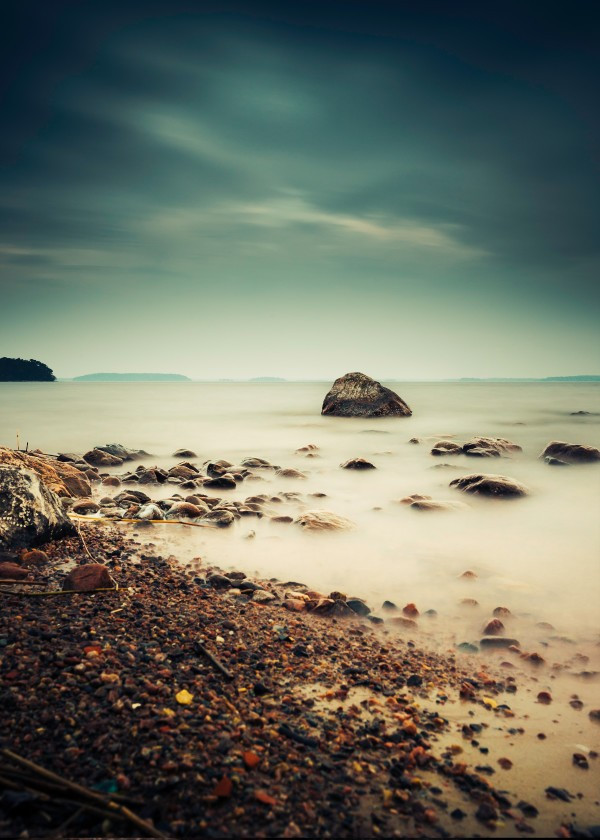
column 105, row 803
column 218, row 665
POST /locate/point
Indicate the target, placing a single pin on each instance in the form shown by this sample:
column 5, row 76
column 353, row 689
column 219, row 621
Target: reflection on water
column 537, row 555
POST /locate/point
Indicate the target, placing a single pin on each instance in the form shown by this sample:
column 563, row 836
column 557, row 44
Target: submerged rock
column 357, row 395
column 497, row 486
column 572, row 453
column 184, row 453
column 290, row 472
column 30, row 513
column 358, row 464
column 432, row 504
column 323, row 520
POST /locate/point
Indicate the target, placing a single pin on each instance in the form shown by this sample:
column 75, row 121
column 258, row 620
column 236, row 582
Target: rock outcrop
column 30, row 513
column 571, row 453
column 498, row 486
column 357, row 395
column 59, row 476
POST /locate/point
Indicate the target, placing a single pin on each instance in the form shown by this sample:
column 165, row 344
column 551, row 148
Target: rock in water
column 357, row 395
column 30, row 513
column 571, row 453
column 483, row 447
column 323, row 520
column 122, row 452
column 498, row 486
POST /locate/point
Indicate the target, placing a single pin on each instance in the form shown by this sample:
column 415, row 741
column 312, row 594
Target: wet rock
column 100, row 458
column 358, row 606
column 221, row 518
column 410, row 610
column 219, row 581
column 494, row 627
column 432, row 504
column 149, row 512
column 446, row 447
column 323, row 520
column 122, row 452
column 111, row 481
column 594, row 715
column 416, row 497
column 357, row 395
column 223, row 482
column 310, row 447
column 12, row 571
column 572, row 453
column 289, row 472
column 294, row 604
column 483, row 447
column 185, row 510
column 544, row 697
column 469, row 575
column 30, row 513
column 389, row 606
column 262, row 596
column 287, row 519
column 494, row 486
column 555, row 462
column 184, row 453
column 498, row 642
column 401, row 621
column 88, row 577
column 182, row 471
column 85, row 506
column 467, row 647
column 358, row 464
column 258, row 463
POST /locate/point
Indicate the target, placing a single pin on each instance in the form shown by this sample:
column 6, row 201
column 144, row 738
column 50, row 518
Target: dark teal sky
column 235, row 190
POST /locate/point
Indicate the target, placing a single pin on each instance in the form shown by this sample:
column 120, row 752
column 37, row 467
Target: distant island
column 585, row 378
column 132, row 377
column 22, row 370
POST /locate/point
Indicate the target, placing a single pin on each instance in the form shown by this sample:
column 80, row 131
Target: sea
column 539, row 556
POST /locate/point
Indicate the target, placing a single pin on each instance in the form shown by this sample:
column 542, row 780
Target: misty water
column 538, row 555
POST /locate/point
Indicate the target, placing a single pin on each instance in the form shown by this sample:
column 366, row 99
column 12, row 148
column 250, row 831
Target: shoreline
column 347, row 720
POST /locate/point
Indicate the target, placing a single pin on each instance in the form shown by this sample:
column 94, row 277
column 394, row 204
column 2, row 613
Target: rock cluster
column 61, row 477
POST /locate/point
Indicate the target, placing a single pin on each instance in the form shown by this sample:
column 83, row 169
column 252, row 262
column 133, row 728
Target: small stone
column 88, row 577
column 494, row 627
column 262, row 596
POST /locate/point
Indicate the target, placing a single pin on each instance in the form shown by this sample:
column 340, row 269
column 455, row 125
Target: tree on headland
column 21, row 370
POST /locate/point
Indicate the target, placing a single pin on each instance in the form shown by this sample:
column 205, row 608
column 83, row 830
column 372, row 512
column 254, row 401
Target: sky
column 230, row 190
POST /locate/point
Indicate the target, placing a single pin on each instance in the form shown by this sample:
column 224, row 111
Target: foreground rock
column 357, row 395
column 497, row 486
column 323, row 520
column 59, row 476
column 571, row 453
column 89, row 577
column 30, row 513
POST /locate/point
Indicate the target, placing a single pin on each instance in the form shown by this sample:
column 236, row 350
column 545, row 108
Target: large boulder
column 59, row 476
column 497, row 486
column 571, row 453
column 357, row 395
column 30, row 513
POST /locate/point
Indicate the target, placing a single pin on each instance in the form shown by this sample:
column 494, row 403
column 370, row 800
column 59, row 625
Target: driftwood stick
column 102, row 801
column 218, row 665
column 5, row 581
column 26, row 777
column 61, row 591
